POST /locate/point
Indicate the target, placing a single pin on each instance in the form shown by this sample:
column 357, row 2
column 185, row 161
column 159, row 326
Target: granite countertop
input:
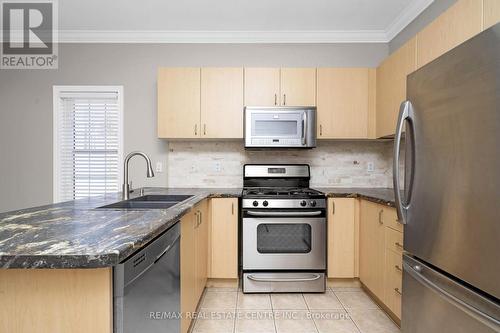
column 384, row 196
column 74, row 234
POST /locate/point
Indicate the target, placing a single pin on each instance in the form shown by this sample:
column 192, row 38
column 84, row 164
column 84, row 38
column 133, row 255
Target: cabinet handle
column 398, row 268
column 380, row 216
column 232, row 208
column 398, row 291
column 398, row 244
column 320, row 130
column 196, row 221
column 284, row 99
column 333, row 207
column 196, row 129
column 204, row 129
column 275, row 99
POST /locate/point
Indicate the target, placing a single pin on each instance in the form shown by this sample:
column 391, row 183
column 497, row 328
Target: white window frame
column 57, row 90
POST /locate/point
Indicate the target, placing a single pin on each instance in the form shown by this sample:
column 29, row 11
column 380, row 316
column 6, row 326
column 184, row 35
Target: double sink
column 153, row 201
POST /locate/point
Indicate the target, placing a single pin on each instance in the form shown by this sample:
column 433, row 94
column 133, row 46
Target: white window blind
column 88, row 142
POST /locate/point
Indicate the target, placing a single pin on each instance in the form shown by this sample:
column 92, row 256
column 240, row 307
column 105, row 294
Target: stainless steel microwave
column 280, row 127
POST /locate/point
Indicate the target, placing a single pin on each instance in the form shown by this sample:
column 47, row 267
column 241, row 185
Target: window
column 88, row 141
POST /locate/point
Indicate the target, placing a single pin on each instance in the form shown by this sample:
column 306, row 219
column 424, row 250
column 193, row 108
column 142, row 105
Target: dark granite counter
column 74, row 234
column 383, row 196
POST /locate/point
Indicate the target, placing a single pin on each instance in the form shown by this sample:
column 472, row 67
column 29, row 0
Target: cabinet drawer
column 390, row 219
column 393, row 281
column 393, row 240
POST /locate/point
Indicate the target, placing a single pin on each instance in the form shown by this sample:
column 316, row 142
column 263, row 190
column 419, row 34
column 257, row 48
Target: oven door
column 279, row 243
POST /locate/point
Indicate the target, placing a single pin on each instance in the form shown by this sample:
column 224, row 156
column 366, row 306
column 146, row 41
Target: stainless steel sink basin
column 152, row 201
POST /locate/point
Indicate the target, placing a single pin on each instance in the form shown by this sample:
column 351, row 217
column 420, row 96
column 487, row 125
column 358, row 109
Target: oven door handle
column 256, row 213
column 312, row 277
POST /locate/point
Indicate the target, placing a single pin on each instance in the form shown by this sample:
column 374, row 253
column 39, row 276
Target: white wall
column 26, row 99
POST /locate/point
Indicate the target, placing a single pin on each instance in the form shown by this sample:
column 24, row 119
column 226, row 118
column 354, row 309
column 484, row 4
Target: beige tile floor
column 339, row 310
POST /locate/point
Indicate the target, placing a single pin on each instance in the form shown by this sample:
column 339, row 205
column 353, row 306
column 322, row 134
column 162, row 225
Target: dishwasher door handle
column 169, row 246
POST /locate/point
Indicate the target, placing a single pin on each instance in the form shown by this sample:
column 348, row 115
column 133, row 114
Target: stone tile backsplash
column 333, row 163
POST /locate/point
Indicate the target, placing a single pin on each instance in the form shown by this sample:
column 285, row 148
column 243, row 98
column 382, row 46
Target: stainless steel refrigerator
column 450, row 201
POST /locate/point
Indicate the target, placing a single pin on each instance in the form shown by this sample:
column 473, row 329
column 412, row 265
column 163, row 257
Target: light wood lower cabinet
column 56, row 300
column 393, row 280
column 343, row 237
column 381, row 250
column 343, row 101
column 371, row 247
column 188, row 269
column 223, row 234
column 197, row 252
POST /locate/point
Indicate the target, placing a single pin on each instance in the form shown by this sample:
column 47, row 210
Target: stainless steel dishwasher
column 147, row 287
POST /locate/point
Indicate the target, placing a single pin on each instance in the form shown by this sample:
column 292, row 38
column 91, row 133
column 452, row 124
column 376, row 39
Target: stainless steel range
column 284, row 230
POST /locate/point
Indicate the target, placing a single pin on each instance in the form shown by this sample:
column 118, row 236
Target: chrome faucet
column 149, row 174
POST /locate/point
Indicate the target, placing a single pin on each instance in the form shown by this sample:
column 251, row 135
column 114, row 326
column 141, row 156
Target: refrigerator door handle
column 416, row 272
column 405, row 114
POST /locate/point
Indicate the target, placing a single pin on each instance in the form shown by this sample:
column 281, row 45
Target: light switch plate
column 370, row 167
column 159, row 167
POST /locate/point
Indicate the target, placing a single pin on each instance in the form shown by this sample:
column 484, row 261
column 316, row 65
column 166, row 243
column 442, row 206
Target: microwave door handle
column 304, row 125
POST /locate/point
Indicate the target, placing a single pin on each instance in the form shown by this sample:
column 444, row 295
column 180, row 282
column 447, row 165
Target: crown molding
column 407, row 16
column 266, row 37
column 152, row 36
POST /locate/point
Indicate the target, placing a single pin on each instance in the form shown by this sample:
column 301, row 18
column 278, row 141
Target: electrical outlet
column 218, row 167
column 370, row 167
column 159, row 167
column 193, row 168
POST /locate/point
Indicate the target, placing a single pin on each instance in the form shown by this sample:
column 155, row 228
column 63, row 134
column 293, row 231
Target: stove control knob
column 313, row 203
column 265, row 203
column 303, row 203
column 255, row 203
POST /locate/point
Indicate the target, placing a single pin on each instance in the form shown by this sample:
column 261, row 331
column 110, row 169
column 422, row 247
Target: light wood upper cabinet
column 222, row 103
column 460, row 22
column 179, row 103
column 371, row 247
column 262, row 86
column 224, row 238
column 343, row 101
column 298, row 86
column 491, row 10
column 343, row 233
column 391, row 86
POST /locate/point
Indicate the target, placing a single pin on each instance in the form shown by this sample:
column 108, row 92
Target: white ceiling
column 235, row 20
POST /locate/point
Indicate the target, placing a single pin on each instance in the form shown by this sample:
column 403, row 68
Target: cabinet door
column 371, row 249
column 298, row 86
column 224, row 238
column 391, row 87
column 460, row 22
column 343, row 103
column 342, row 238
column 188, row 269
column 491, row 12
column 222, row 103
column 179, row 103
column 201, row 247
column 262, row 86
column 393, row 281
